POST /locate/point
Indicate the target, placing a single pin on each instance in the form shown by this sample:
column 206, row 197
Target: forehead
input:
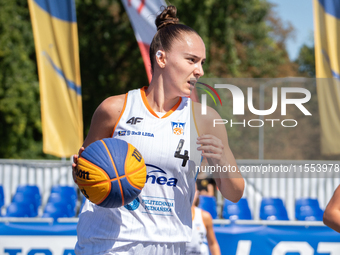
column 189, row 44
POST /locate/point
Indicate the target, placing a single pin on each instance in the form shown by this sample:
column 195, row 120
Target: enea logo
column 178, row 128
column 158, row 176
column 204, row 96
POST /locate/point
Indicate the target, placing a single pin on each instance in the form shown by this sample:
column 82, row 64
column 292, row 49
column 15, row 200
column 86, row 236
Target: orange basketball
column 111, row 172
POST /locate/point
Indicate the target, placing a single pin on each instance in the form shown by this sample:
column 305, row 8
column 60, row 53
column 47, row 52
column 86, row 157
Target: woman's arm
column 331, row 216
column 103, row 121
column 212, row 242
column 215, row 147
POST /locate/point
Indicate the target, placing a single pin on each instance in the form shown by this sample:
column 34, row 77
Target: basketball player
column 156, row 120
column 331, row 216
column 203, row 235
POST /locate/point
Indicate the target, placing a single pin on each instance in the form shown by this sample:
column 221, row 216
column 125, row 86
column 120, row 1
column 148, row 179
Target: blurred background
column 248, row 39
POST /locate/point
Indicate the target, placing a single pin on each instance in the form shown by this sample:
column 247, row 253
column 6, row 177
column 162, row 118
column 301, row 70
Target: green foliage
column 110, row 59
column 240, row 37
column 306, row 61
column 20, row 125
column 237, row 35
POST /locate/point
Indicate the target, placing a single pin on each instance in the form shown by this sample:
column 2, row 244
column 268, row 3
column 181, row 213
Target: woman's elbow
column 238, row 192
column 327, row 218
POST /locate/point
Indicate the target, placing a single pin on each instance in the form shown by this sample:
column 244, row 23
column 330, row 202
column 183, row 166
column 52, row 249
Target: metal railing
column 288, row 189
column 43, row 173
column 46, row 173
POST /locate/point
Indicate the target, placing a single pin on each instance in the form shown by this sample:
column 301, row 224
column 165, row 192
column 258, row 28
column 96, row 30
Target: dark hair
column 168, row 29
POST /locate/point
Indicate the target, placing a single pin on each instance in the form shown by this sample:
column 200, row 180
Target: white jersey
column 162, row 211
column 198, row 244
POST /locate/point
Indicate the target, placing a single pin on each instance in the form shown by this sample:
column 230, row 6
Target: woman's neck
column 159, row 96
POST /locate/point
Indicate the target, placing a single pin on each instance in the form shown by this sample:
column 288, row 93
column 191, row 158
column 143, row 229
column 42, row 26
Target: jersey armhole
column 120, row 116
column 194, row 118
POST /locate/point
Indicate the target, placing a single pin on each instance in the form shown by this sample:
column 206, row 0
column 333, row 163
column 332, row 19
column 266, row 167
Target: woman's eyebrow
column 192, row 55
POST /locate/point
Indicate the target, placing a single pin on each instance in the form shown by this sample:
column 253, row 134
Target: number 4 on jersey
column 178, row 154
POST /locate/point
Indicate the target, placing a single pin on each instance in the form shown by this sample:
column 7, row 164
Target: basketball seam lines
column 94, row 166
column 117, row 178
column 90, row 184
column 130, row 147
column 126, row 175
column 114, row 167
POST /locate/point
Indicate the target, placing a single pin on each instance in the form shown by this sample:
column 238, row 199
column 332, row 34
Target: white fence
column 46, row 173
column 43, row 173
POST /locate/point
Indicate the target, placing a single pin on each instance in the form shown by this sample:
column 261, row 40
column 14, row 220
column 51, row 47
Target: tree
column 239, row 35
column 306, row 61
column 242, row 37
column 20, row 125
column 110, row 60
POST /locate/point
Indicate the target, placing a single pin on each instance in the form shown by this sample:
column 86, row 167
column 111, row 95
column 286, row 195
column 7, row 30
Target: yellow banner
column 327, row 57
column 56, row 43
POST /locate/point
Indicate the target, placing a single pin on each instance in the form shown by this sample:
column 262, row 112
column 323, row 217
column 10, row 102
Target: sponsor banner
column 19, row 245
column 277, row 240
column 327, row 65
column 59, row 239
column 55, row 33
column 142, row 16
column 37, row 238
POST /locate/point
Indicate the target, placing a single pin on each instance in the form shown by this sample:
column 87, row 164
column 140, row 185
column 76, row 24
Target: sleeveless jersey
column 162, row 211
column 198, row 244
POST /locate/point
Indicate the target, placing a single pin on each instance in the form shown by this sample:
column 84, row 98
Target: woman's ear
column 160, row 58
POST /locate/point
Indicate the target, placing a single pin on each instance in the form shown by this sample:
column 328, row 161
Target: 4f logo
column 134, row 120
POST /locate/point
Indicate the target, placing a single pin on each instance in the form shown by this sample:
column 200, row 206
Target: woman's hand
column 75, row 163
column 212, row 148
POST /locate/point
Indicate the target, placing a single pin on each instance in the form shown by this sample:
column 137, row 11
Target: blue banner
column 60, row 238
column 277, row 240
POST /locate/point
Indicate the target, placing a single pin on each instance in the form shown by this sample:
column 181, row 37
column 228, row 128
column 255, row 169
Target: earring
column 158, row 54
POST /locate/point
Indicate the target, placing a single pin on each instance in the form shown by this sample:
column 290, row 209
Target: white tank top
column 198, row 244
column 162, row 212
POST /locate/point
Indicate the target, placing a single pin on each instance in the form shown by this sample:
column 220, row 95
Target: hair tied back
column 167, row 17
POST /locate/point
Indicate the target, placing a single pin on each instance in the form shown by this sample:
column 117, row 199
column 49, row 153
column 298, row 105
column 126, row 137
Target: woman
column 203, row 236
column 161, row 221
column 331, row 216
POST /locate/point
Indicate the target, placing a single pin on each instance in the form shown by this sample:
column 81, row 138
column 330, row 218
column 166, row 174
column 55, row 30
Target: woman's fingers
column 81, row 151
column 75, row 163
column 211, row 146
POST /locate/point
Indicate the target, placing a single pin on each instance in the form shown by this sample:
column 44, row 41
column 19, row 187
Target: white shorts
column 140, row 248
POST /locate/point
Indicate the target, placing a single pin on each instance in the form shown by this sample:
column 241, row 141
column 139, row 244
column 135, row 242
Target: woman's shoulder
column 206, row 120
column 113, row 102
column 111, row 106
column 207, row 219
